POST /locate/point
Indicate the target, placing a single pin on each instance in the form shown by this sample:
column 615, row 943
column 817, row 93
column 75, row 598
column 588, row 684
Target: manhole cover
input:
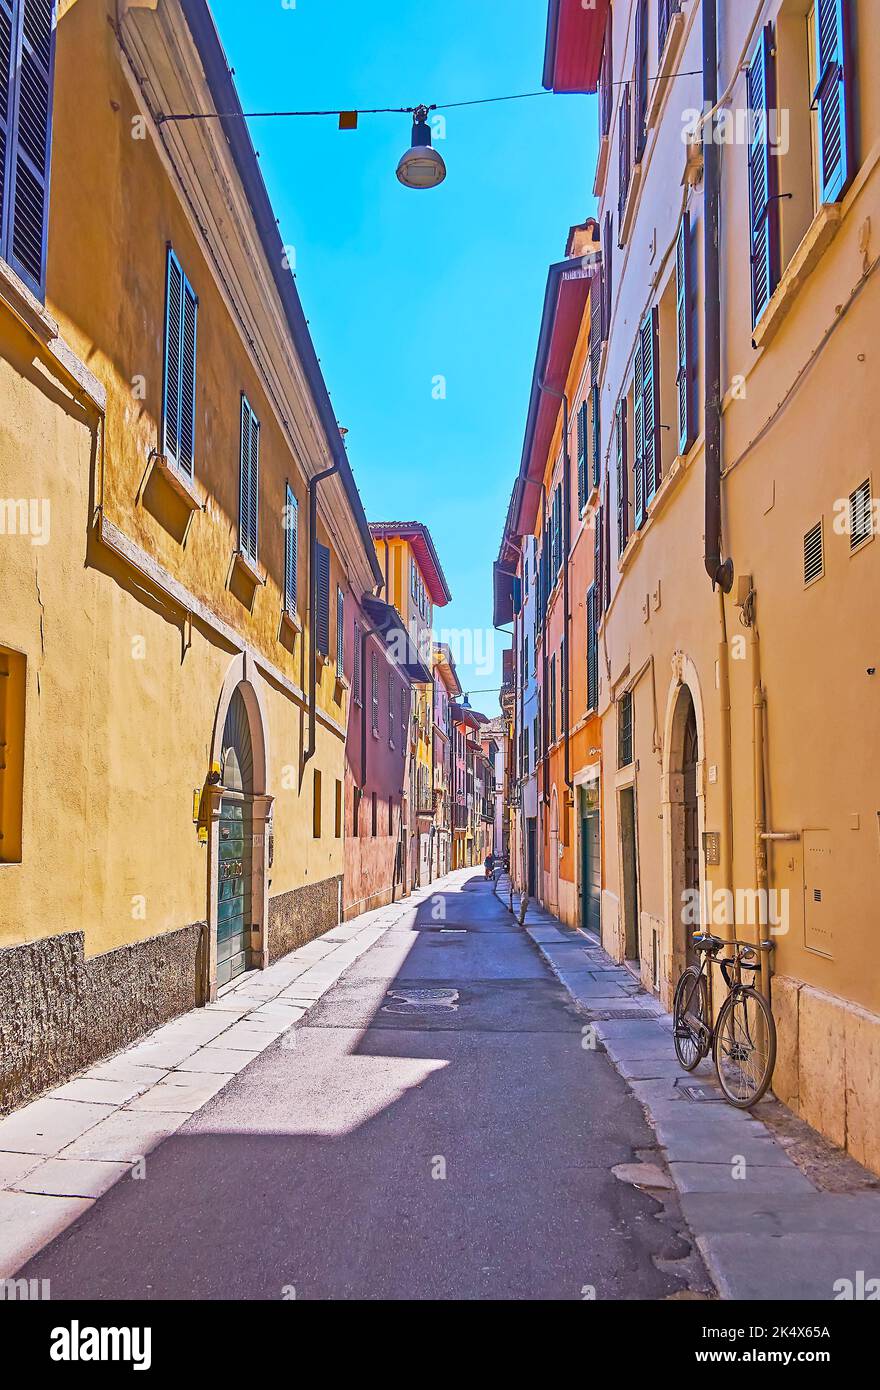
column 605, row 1015
column 701, row 1093
column 421, row 1001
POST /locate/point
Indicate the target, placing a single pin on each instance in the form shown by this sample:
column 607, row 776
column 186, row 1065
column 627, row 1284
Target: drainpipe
column 314, row 483
column 721, row 573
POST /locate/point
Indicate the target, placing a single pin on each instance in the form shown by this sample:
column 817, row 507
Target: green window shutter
column 322, row 598
column 763, row 203
column 832, row 99
column 651, row 403
column 27, row 59
column 582, row 454
column 597, row 436
column 249, row 481
column 622, row 477
column 592, row 651
column 291, row 542
column 686, row 335
column 639, row 433
column 597, row 561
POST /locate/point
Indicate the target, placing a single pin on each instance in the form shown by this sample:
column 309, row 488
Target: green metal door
column 591, row 860
column 234, row 895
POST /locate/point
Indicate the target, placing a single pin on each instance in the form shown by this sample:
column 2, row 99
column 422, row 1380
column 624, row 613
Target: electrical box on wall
column 818, row 931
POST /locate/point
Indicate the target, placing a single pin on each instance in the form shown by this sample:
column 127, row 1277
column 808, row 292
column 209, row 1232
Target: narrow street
column 382, row 1149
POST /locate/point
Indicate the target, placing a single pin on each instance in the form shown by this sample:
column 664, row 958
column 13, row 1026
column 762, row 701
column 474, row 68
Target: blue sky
column 401, row 287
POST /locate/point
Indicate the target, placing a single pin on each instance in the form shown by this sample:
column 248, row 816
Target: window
column 553, row 699
column 647, row 462
column 340, row 632
column 322, row 598
column 606, row 85
column 248, row 481
column 375, row 815
column 291, row 543
column 596, row 437
column 763, row 201
column 179, row 372
column 27, row 46
column 582, row 455
column 404, row 715
column 625, row 730
column 665, row 10
column 374, row 690
column 316, row 805
column 13, row 672
column 356, row 810
column 536, row 738
column 390, row 815
column 624, row 151
column 641, row 80
column 607, row 264
column 831, row 98
column 622, row 466
column 525, row 752
column 390, row 709
column 592, row 650
column 686, row 337
column 598, row 561
column 338, row 809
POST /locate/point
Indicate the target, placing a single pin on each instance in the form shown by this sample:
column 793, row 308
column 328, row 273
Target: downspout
column 721, row 573
column 309, row 751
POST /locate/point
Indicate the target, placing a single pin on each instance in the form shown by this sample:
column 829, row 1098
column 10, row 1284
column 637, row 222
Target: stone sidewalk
column 769, row 1233
column 60, row 1153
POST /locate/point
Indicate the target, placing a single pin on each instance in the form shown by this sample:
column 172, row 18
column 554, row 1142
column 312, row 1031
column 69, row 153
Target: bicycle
column 743, row 1039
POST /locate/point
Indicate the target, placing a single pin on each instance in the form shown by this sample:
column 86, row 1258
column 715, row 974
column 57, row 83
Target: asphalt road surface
column 454, row 1147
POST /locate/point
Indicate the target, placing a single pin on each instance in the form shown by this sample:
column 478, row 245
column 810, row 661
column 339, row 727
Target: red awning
column 575, row 38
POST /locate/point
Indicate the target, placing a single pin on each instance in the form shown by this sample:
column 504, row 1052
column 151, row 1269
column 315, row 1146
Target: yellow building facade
column 181, row 532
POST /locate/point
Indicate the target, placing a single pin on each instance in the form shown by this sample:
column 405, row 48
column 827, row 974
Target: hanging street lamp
column 421, row 166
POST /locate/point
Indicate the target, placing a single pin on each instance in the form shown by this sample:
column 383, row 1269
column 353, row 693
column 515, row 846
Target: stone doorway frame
column 684, row 690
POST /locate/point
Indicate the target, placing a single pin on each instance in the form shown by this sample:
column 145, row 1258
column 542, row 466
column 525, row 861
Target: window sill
column 291, row 622
column 183, row 487
column 668, row 59
column 248, row 568
column 25, row 306
column 629, row 207
column 818, row 238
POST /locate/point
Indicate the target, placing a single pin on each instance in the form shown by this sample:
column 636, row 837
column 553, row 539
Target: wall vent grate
column 814, row 554
column 860, row 515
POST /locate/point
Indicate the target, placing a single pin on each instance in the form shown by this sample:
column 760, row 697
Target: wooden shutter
column 763, row 204
column 624, row 137
column 374, row 690
column 607, row 264
column 592, row 651
column 597, row 334
column 640, row 116
column 597, row 436
column 639, row 435
column 357, row 664
column 249, row 481
column 606, row 87
column 27, row 58
column 622, row 479
column 291, row 542
column 322, row 598
column 598, row 565
column 179, row 372
column 582, row 454
column 340, row 632
column 831, row 99
column 686, row 377
column 666, row 9
column 606, row 548
column 651, row 471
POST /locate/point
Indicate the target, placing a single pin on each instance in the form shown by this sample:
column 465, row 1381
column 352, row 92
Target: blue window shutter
column 189, row 318
column 639, row 431
column 763, row 204
column 291, row 541
column 832, row 98
column 622, row 478
column 686, row 378
column 249, row 480
column 27, row 53
column 322, row 598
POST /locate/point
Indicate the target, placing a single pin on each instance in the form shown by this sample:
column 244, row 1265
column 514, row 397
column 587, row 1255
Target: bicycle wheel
column 744, row 1047
column 691, row 998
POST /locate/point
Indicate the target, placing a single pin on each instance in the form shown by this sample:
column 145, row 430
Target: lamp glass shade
column 421, row 166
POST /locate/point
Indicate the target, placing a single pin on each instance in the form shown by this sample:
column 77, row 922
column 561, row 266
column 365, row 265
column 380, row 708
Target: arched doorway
column 239, row 831
column 554, row 851
column 235, row 844
column 685, row 818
